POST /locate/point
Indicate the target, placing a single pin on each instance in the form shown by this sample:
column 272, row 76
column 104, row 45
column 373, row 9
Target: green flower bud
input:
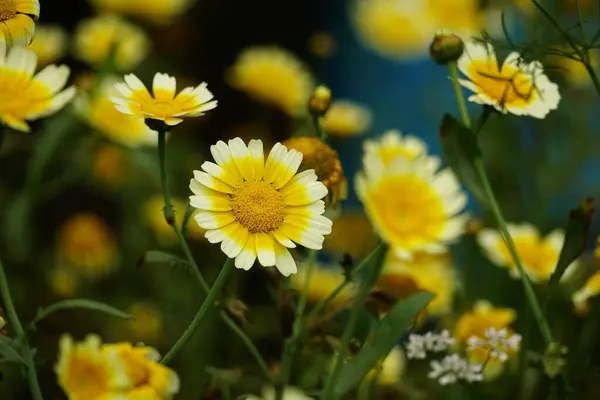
column 446, row 47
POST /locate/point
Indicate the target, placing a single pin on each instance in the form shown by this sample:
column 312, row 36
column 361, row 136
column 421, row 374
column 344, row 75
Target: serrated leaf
column 8, row 351
column 383, row 339
column 461, row 150
column 576, row 237
column 78, row 304
column 163, row 258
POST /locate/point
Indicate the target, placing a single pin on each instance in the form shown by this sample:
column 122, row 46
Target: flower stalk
column 188, row 253
column 15, row 323
column 499, row 217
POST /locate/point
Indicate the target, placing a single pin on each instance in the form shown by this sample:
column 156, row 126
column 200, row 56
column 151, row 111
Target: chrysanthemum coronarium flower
column 581, row 297
column 24, row 96
column 87, row 245
column 162, row 105
column 147, row 323
column 412, row 206
column 258, row 209
column 17, row 19
column 516, row 86
column 429, row 272
column 403, row 29
column 274, row 76
column 49, row 44
column 156, row 11
column 97, row 37
column 325, row 161
column 92, row 370
column 100, row 113
column 346, row 118
column 538, row 254
column 393, row 144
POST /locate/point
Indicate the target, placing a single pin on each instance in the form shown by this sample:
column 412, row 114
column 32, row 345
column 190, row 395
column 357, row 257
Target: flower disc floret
column 258, row 209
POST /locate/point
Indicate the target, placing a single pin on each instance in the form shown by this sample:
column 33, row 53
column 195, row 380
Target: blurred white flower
column 418, row 345
column 452, row 368
column 498, row 342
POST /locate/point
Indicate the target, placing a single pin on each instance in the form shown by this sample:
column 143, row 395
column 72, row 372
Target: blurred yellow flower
column 49, row 44
column 393, row 144
column 516, row 86
column 154, row 216
column 100, row 112
column 147, row 324
column 257, row 209
column 323, row 280
column 24, row 96
column 404, row 29
column 390, row 369
column 475, row 323
column 63, row 282
column 289, row 393
column 412, row 207
column 538, row 254
column 156, row 11
column 360, row 243
column 90, row 370
column 109, row 164
column 17, row 19
column 581, row 297
column 318, row 156
column 87, row 245
column 322, row 44
column 346, row 118
column 163, row 105
column 401, row 278
column 96, row 38
column 274, row 76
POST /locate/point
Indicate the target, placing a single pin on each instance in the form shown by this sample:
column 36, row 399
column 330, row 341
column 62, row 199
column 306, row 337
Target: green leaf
column 78, row 303
column 576, row 237
column 383, row 339
column 160, row 257
column 460, row 147
column 9, row 352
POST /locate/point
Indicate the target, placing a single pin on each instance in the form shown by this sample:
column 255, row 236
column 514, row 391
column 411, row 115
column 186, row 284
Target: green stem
column 211, row 298
column 188, row 253
column 364, row 389
column 320, row 133
column 355, row 313
column 15, row 323
column 462, row 106
column 581, row 23
column 500, row 221
column 582, row 54
column 291, row 344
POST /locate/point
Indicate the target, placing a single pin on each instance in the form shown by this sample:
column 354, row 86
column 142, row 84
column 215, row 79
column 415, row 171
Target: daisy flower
column 411, row 206
column 393, row 144
column 516, row 86
column 258, row 209
column 538, row 254
column 96, row 38
column 162, row 104
column 273, row 76
column 24, row 96
column 18, row 21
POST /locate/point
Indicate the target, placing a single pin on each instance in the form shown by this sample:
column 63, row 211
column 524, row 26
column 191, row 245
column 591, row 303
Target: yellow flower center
column 8, row 9
column 85, row 377
column 316, row 155
column 258, row 206
column 508, row 85
column 538, row 257
column 408, row 208
column 389, row 154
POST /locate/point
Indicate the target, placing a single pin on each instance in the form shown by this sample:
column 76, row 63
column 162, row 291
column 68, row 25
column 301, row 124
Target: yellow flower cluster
column 92, row 370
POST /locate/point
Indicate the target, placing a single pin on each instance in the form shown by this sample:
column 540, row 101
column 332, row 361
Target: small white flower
column 418, row 345
column 453, row 368
column 415, row 348
column 498, row 342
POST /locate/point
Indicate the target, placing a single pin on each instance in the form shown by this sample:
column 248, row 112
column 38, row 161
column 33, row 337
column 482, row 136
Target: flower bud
column 446, row 47
column 320, row 101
